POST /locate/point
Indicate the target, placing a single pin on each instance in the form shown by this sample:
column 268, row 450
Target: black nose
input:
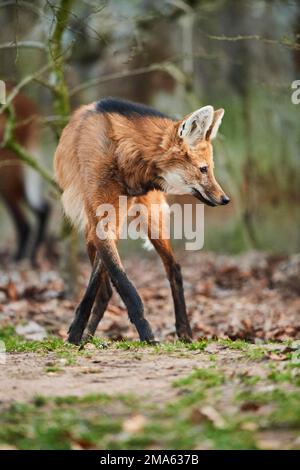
column 224, row 200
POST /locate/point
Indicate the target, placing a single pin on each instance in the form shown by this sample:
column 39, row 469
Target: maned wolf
column 112, row 148
column 21, row 186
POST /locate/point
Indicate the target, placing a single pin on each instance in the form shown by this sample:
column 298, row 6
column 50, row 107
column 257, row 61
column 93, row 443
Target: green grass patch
column 205, row 377
column 216, row 407
column 251, row 351
column 283, row 407
column 53, row 369
column 289, row 374
column 174, row 346
column 16, row 343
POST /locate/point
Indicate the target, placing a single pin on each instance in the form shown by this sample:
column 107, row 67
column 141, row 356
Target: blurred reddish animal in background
column 21, row 186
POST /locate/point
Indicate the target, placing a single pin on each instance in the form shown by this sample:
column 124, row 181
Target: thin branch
column 82, row 21
column 21, row 84
column 22, row 3
column 47, row 120
column 181, row 5
column 45, row 83
column 284, row 41
column 33, row 76
column 118, row 75
column 27, row 158
column 169, row 66
column 24, row 45
column 10, row 143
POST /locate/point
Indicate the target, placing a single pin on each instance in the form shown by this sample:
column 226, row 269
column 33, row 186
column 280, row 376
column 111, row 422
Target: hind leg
column 42, row 216
column 83, row 310
column 102, row 298
column 22, row 228
column 33, row 191
column 104, row 251
column 12, row 192
column 125, row 289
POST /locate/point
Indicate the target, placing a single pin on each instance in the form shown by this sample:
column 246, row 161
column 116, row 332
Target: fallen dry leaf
column 250, row 406
column 11, row 291
column 276, row 357
column 237, row 297
column 208, row 413
column 134, row 424
column 249, row 426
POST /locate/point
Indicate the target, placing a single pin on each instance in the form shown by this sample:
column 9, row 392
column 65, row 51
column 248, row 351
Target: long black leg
column 83, row 310
column 164, row 249
column 22, row 228
column 126, row 290
column 102, row 299
column 42, row 216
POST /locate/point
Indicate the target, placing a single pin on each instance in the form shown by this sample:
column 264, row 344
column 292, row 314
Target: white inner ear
column 194, row 128
column 216, row 125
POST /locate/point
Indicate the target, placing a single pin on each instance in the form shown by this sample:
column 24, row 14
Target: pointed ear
column 217, row 119
column 195, row 126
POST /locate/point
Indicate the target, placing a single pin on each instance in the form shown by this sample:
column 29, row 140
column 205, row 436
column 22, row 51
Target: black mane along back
column 126, row 108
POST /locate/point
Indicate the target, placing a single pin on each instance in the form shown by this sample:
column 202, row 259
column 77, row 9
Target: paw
column 185, row 339
column 74, row 338
column 152, row 342
column 185, row 335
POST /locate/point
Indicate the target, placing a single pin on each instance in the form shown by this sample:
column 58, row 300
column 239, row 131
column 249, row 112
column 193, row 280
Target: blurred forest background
column 113, row 393
column 177, row 56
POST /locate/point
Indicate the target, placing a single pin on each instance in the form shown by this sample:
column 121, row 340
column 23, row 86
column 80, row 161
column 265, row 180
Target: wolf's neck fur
column 141, row 148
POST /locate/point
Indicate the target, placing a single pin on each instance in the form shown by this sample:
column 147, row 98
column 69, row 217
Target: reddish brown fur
column 12, row 176
column 101, row 156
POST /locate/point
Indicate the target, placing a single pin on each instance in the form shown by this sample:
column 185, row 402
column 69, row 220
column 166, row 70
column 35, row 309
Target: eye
column 204, row 169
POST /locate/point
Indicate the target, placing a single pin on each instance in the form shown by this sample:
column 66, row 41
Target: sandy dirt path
column 112, row 372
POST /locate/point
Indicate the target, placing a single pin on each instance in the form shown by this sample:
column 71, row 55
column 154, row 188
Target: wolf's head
column 189, row 167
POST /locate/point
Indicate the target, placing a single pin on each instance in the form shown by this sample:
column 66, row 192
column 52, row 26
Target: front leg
column 155, row 224
column 163, row 248
column 182, row 324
